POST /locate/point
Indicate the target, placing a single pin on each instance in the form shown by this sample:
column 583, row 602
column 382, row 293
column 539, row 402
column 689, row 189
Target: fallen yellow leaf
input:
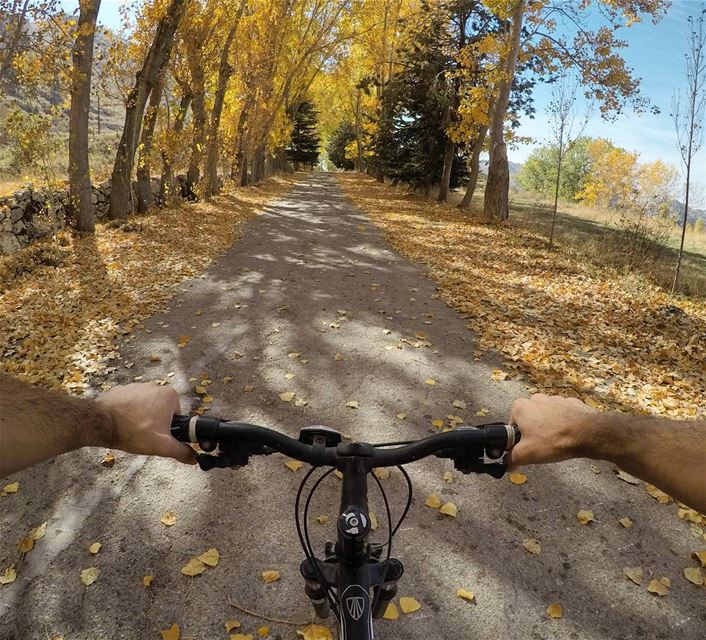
column 352, row 404
column 168, row 519
column 701, row 557
column 430, row 381
column 90, row 575
column 10, row 575
column 634, row 573
column 322, row 519
column 401, row 416
column 448, row 476
column 690, row 515
column 382, row 473
column 657, row 494
column 201, row 390
column 95, row 548
column 193, row 567
column 38, row 532
column 584, row 516
column 433, row 501
column 263, row 632
column 409, row 605
column 466, row 595
column 437, row 423
column 286, row 396
column 459, row 404
column 315, row 632
column 173, row 633
column 25, row 545
column 108, row 460
column 270, row 576
column 626, row 477
column 659, row 586
column 554, row 610
column 294, row 465
column 518, row 478
column 241, row 636
column 147, row 580
column 232, row 624
column 248, row 387
column 391, row 612
column 449, row 509
column 626, row 522
column 210, row 557
column 532, row 545
column 482, row 412
column 694, row 575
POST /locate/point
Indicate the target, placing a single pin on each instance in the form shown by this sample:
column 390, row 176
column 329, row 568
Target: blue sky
column 656, row 53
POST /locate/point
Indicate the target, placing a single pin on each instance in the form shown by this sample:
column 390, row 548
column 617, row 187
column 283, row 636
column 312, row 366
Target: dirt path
column 312, row 276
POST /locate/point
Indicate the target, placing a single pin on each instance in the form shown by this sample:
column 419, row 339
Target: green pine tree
column 304, row 146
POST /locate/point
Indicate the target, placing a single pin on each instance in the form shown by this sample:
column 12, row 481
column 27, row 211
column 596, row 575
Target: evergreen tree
column 343, row 135
column 304, row 145
column 411, row 135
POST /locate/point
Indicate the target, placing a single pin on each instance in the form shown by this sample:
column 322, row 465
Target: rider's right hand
column 553, row 429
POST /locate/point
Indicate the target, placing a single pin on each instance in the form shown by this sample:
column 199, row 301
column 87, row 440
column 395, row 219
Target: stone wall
column 29, row 214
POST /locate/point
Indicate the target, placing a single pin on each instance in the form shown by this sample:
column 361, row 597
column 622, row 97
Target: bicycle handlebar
column 320, row 446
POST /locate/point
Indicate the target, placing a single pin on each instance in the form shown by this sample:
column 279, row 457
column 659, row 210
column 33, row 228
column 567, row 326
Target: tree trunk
column 198, row 109
column 80, row 193
column 449, row 152
column 224, row 72
column 475, row 168
column 144, row 172
column 244, row 178
column 497, row 189
column 358, row 141
column 167, row 187
column 258, row 165
column 155, row 61
column 556, row 195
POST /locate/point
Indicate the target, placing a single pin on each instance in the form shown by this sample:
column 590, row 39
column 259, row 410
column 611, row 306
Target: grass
column 591, row 231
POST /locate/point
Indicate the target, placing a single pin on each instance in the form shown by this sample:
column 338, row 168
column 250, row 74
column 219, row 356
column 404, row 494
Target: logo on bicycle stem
column 355, row 606
column 354, row 522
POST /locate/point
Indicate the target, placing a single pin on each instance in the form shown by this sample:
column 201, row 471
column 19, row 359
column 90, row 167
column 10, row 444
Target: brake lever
column 236, row 455
column 466, row 466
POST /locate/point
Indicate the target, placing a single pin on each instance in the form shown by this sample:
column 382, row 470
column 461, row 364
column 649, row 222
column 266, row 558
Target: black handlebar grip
column 180, row 428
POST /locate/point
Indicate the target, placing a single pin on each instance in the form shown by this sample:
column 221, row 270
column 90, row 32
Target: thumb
column 172, row 448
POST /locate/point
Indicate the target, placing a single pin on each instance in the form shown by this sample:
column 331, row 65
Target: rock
column 8, row 244
column 16, row 214
column 94, row 199
column 6, row 225
column 19, row 227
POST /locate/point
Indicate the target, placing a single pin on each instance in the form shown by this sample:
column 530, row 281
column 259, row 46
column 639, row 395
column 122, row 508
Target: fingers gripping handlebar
column 471, row 448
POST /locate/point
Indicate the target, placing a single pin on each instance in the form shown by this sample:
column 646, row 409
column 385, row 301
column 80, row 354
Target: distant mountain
column 515, row 167
column 678, row 209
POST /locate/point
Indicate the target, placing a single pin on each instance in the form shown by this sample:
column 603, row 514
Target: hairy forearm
column 37, row 424
column 667, row 453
